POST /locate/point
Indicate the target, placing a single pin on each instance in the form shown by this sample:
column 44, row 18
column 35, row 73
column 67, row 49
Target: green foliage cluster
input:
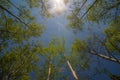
column 79, row 46
column 74, row 21
column 18, row 63
column 96, row 13
column 103, row 10
column 113, row 36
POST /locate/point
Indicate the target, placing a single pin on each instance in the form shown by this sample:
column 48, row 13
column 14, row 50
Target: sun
column 58, row 1
column 57, row 6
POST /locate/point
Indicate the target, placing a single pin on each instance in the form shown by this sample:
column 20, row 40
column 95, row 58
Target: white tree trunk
column 72, row 70
column 49, row 72
column 105, row 57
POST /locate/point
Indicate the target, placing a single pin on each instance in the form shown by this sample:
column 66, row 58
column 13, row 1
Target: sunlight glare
column 57, row 6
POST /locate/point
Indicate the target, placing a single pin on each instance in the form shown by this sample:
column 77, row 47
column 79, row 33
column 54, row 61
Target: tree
column 113, row 36
column 16, row 29
column 85, row 51
column 50, row 52
column 62, row 49
column 56, row 49
column 96, row 11
column 87, row 48
column 19, row 62
column 99, row 11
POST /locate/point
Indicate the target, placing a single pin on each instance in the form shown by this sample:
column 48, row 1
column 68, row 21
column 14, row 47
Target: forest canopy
column 59, row 39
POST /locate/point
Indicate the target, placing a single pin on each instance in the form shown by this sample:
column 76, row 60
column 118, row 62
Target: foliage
column 104, row 10
column 19, row 56
column 79, row 54
column 18, row 63
column 17, row 26
column 113, row 36
column 79, row 46
column 74, row 21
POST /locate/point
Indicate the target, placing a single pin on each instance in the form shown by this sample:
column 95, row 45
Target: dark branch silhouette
column 82, row 6
column 89, row 9
column 14, row 15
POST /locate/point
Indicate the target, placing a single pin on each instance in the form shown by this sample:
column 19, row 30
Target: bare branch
column 15, row 6
column 89, row 9
column 82, row 6
column 14, row 15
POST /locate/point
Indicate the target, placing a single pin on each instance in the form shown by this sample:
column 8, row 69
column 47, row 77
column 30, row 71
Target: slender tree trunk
column 105, row 57
column 72, row 70
column 49, row 69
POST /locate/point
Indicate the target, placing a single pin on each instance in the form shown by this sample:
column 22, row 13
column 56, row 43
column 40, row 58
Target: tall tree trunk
column 105, row 57
column 72, row 70
column 49, row 69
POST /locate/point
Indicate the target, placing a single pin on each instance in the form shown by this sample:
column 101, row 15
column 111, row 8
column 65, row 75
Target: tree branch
column 82, row 6
column 15, row 6
column 89, row 9
column 14, row 15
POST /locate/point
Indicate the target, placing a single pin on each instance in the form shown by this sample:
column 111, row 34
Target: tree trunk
column 72, row 70
column 105, row 57
column 49, row 69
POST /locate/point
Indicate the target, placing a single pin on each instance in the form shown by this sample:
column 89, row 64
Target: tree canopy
column 30, row 49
